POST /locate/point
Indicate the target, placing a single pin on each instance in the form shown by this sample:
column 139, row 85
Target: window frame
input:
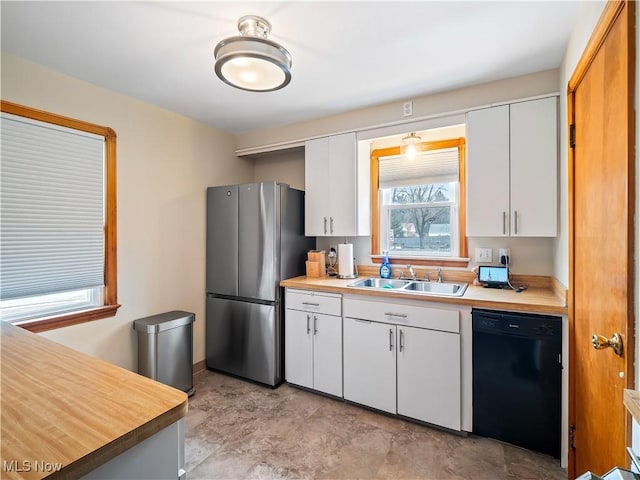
column 386, row 209
column 376, row 254
column 110, row 304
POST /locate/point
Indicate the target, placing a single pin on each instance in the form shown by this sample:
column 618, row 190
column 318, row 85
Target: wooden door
column 602, row 197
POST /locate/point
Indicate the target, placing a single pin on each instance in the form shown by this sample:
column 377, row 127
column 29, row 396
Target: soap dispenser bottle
column 385, row 268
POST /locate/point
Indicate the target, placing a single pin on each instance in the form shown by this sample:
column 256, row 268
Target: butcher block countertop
column 543, row 294
column 65, row 413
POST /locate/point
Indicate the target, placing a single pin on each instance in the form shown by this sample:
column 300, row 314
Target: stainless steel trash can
column 165, row 348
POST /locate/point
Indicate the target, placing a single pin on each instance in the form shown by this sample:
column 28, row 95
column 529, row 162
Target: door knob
column 599, row 342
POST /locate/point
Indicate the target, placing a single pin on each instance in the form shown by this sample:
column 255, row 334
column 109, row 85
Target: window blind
column 433, row 166
column 51, row 208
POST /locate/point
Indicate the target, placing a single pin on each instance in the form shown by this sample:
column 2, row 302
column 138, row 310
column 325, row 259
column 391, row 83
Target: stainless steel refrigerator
column 255, row 238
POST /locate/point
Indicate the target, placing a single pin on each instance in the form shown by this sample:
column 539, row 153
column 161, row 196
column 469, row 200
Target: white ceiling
column 346, row 55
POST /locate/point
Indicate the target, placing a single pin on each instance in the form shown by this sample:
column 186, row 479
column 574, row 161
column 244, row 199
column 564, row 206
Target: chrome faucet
column 439, row 279
column 412, row 272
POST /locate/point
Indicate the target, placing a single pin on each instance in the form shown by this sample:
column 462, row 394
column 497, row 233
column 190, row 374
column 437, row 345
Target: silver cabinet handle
column 401, row 346
column 391, row 339
column 504, row 223
column 311, row 304
column 325, row 225
column 308, row 328
column 331, row 223
column 315, row 325
column 399, row 315
column 515, row 222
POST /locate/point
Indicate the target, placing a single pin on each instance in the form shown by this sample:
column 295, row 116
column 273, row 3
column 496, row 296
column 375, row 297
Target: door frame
column 609, row 14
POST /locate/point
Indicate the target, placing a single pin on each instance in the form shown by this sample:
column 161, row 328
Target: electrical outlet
column 483, row 255
column 407, row 109
column 504, row 256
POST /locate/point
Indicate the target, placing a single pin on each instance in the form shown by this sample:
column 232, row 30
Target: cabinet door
column 487, row 181
column 370, row 364
column 534, row 167
column 429, row 376
column 298, row 348
column 342, row 185
column 316, row 181
column 327, row 354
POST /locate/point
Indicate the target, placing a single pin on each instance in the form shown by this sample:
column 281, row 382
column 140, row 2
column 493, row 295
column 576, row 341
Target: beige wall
column 461, row 99
column 164, row 164
column 285, row 166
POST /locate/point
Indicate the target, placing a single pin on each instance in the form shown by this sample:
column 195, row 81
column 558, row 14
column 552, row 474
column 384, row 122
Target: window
column 418, row 205
column 58, row 219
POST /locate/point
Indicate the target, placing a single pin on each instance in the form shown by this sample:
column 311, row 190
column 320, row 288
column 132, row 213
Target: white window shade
column 433, row 166
column 51, row 208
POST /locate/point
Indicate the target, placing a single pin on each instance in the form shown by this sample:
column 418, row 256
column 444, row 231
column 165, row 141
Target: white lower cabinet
column 429, row 376
column 370, row 363
column 403, row 366
column 313, row 341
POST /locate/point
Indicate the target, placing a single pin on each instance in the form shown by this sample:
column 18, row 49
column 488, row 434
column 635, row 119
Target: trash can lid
column 164, row 321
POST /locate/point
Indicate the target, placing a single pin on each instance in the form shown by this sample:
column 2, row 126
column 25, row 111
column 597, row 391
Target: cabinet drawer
column 328, row 303
column 409, row 314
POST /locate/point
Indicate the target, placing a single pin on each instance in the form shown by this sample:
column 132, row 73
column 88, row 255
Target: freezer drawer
column 244, row 339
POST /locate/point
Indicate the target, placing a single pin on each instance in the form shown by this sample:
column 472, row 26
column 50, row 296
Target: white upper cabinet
column 512, row 170
column 334, row 203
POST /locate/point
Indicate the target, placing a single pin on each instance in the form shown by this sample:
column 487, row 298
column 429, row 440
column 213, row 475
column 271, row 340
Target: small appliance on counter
column 332, row 257
column 346, row 262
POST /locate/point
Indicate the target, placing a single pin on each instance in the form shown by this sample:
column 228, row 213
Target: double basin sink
column 447, row 289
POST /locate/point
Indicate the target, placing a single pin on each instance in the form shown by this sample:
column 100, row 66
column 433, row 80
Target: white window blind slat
column 51, row 208
column 433, row 166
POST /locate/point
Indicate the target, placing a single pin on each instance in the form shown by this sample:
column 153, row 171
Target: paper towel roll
column 345, row 260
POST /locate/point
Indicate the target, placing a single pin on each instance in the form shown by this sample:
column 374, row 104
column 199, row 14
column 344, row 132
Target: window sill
column 425, row 261
column 51, row 323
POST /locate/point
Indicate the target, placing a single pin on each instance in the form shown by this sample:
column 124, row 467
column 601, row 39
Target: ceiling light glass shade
column 410, row 146
column 251, row 61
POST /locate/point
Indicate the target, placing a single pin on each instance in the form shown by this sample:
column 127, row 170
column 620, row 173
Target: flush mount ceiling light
column 251, row 61
column 410, row 145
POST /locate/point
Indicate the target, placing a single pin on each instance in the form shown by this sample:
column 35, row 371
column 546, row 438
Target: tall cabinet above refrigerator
column 255, row 238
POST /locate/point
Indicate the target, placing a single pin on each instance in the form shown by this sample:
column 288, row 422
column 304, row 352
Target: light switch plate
column 483, row 255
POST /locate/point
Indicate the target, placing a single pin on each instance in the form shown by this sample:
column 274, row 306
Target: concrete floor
column 238, row 430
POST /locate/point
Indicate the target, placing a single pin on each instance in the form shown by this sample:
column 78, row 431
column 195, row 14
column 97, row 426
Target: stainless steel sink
column 380, row 283
column 444, row 288
column 447, row 289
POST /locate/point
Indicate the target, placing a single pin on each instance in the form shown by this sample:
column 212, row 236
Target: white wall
column 164, row 164
column 588, row 16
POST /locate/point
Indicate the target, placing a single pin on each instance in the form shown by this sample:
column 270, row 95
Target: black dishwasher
column 517, row 371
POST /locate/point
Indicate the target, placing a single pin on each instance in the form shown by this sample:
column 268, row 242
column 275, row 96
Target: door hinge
column 572, row 437
column 572, row 135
